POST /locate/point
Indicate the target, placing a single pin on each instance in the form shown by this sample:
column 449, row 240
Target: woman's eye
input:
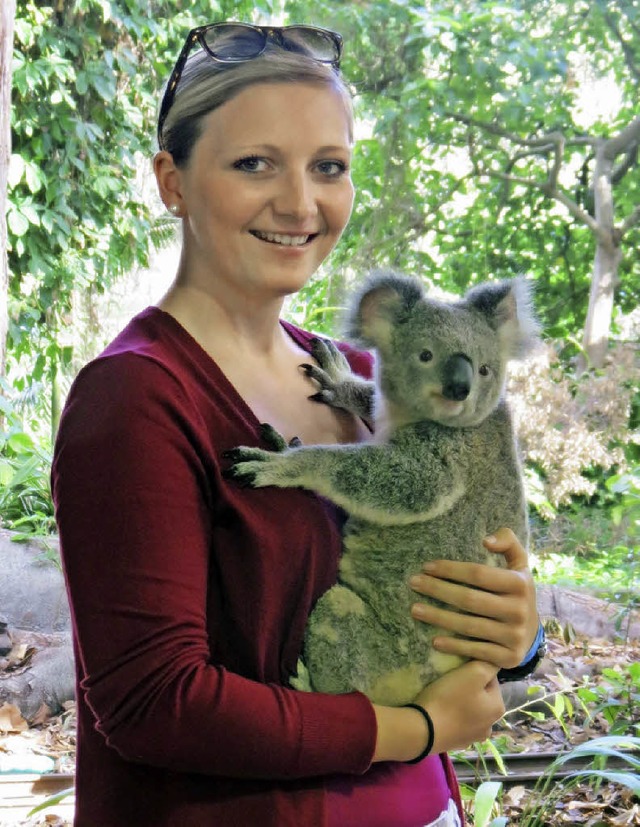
column 484, row 370
column 426, row 356
column 332, row 169
column 251, row 164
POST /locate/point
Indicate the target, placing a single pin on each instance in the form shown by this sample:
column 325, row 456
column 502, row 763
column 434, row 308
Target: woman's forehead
column 274, row 112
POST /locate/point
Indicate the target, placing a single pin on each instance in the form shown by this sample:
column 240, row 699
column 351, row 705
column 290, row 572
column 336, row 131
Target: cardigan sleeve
column 134, row 524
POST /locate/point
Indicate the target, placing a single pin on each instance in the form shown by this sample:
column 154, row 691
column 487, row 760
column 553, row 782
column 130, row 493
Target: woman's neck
column 222, row 325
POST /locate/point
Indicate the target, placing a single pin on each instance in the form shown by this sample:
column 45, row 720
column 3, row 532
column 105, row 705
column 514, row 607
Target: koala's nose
column 457, row 375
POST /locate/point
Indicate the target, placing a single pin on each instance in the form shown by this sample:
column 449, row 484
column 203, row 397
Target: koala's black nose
column 457, row 375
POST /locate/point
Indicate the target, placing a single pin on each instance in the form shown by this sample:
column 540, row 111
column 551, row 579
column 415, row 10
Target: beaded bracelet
column 431, row 737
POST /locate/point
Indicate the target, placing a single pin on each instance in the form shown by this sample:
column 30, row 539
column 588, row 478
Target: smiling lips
column 281, row 238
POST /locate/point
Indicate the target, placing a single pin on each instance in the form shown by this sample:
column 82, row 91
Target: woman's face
column 267, row 191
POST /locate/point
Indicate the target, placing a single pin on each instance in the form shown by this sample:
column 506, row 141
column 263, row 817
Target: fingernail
column 491, row 539
column 429, row 567
column 415, row 581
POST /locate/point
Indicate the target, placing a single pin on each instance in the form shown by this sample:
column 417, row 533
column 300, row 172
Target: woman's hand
column 463, row 705
column 499, row 618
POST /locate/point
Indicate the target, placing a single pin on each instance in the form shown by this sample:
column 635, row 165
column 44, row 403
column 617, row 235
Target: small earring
column 174, row 209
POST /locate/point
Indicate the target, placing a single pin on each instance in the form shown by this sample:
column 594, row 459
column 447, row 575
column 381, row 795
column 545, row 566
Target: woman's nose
column 296, row 197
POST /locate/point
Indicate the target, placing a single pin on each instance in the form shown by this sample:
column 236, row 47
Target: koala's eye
column 426, row 356
column 484, row 370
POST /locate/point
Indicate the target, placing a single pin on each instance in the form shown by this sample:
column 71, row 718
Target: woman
column 189, row 595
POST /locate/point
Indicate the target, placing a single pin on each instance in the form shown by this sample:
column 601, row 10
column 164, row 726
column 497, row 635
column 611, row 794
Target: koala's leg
column 376, row 483
column 347, row 648
column 339, row 387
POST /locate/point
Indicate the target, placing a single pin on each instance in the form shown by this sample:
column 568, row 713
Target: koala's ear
column 508, row 308
column 380, row 306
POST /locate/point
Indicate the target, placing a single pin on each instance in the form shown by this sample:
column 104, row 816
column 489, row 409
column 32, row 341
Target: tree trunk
column 605, row 269
column 7, row 17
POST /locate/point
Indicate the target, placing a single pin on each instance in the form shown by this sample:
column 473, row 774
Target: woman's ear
column 169, row 182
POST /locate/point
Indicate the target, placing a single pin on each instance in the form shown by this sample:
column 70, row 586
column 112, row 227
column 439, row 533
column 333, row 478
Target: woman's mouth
column 285, row 239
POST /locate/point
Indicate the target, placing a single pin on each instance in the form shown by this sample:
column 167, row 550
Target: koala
column 441, row 473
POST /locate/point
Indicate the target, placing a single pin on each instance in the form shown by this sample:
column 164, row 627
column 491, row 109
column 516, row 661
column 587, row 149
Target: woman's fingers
column 505, row 542
column 504, row 605
column 492, row 610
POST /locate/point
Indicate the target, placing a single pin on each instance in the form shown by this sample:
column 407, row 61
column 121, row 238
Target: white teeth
column 286, row 240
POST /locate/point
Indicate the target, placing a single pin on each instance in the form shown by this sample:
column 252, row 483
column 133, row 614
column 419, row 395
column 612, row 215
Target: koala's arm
column 378, row 483
column 338, row 386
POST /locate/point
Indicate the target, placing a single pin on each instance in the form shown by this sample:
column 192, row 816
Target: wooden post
column 7, row 17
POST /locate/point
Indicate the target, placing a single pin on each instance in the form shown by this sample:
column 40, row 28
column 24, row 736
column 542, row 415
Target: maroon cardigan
column 189, row 598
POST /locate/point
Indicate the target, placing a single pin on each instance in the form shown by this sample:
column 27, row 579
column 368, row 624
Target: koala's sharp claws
column 244, row 479
column 322, row 396
column 274, row 440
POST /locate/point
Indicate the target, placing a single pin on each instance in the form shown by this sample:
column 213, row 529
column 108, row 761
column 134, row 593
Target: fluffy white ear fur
column 517, row 325
column 376, row 311
column 508, row 308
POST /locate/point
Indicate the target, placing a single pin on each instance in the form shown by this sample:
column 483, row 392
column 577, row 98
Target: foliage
column 86, row 79
column 86, row 86
column 25, row 496
column 573, row 429
column 609, row 702
column 550, row 789
column 616, row 698
column 420, row 73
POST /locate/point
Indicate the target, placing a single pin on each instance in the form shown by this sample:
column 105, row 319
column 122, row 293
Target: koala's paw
column 330, row 373
column 251, row 467
column 302, row 680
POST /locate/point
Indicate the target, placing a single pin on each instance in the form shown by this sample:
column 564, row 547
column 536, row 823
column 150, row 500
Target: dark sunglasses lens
column 229, row 42
column 313, row 42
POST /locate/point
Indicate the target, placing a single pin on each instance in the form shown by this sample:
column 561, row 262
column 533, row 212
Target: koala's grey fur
column 441, row 473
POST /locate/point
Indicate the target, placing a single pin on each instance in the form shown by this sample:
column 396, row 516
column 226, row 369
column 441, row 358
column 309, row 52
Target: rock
column 32, row 591
column 44, row 677
column 588, row 615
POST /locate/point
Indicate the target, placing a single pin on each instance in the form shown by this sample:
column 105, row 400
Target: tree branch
column 551, row 192
column 626, row 138
column 546, row 140
column 626, row 50
column 630, row 221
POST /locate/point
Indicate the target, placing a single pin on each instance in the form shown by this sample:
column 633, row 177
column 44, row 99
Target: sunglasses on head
column 239, row 42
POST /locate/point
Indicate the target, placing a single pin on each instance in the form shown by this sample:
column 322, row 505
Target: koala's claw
column 241, row 475
column 332, row 361
column 326, row 396
column 247, row 465
column 274, row 440
column 302, row 679
column 319, row 375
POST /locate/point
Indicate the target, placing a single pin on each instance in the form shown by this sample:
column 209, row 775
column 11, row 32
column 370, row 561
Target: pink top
column 400, row 795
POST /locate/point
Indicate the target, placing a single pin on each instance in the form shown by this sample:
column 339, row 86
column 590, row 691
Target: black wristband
column 525, row 669
column 431, row 737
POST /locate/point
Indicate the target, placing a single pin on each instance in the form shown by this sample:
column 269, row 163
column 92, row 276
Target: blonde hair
column 205, row 85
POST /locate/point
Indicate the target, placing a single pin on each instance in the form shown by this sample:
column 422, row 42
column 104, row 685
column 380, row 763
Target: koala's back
column 391, row 656
column 488, row 463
